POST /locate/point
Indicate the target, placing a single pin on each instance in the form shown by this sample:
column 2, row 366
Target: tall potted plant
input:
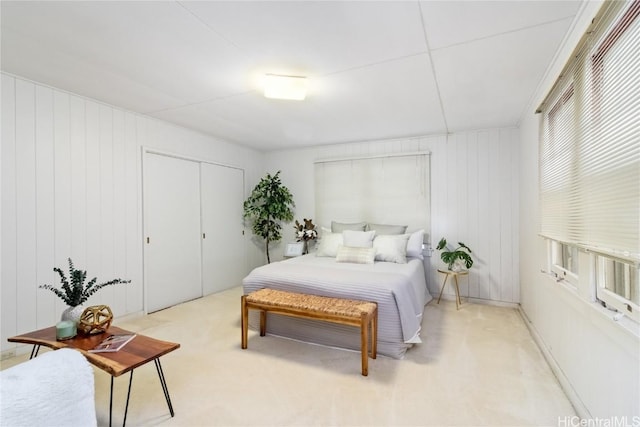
column 270, row 203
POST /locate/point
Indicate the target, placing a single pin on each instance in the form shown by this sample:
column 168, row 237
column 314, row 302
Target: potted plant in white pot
column 74, row 292
column 456, row 259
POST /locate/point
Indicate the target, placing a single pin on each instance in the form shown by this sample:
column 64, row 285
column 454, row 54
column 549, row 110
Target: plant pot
column 457, row 266
column 72, row 313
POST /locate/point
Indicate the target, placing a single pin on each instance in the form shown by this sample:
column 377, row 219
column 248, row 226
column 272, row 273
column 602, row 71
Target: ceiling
column 376, row 70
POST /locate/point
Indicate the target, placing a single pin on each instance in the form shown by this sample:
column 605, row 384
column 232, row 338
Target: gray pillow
column 387, row 229
column 339, row 227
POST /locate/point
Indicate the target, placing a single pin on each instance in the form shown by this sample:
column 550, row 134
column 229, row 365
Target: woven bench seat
column 363, row 314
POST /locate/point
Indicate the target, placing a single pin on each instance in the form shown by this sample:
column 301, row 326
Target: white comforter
column 399, row 289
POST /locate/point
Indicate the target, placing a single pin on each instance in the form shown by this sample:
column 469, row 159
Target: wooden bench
column 363, row 314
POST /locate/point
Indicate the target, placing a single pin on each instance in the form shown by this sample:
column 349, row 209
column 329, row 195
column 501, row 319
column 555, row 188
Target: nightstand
column 455, row 275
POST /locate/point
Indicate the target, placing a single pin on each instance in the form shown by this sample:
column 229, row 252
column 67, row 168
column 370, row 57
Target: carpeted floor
column 476, row 367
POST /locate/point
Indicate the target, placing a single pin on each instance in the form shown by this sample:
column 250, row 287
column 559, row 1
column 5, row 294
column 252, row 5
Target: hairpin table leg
column 163, row 382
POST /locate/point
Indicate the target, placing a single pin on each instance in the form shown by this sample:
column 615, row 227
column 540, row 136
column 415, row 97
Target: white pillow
column 356, row 255
column 328, row 244
column 414, row 245
column 339, row 227
column 391, row 248
column 358, row 239
column 387, row 229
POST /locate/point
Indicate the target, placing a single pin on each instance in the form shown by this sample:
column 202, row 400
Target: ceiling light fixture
column 285, row 87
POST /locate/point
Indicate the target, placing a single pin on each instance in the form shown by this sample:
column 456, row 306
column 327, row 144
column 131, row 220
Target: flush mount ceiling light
column 285, row 87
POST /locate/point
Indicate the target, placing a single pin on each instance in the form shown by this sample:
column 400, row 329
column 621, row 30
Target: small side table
column 138, row 352
column 455, row 275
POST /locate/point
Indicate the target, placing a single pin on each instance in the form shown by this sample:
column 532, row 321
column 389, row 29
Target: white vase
column 458, row 266
column 72, row 313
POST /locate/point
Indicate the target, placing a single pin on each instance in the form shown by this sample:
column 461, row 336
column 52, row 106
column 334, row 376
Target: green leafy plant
column 462, row 253
column 73, row 290
column 270, row 203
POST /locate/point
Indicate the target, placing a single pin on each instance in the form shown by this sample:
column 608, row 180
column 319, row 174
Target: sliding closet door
column 173, row 262
column 223, row 249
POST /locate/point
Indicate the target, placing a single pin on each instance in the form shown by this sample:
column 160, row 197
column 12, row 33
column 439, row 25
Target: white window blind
column 389, row 189
column 590, row 140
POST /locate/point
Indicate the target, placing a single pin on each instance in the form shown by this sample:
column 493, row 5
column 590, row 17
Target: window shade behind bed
column 391, row 189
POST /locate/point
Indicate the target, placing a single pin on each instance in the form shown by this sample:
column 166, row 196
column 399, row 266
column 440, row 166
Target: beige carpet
column 476, row 367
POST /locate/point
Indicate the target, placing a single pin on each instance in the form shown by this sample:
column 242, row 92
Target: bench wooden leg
column 364, row 343
column 374, row 334
column 245, row 319
column 263, row 322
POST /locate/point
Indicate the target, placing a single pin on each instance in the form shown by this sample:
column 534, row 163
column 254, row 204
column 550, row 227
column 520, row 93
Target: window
column 590, row 159
column 564, row 262
column 618, row 286
column 374, row 189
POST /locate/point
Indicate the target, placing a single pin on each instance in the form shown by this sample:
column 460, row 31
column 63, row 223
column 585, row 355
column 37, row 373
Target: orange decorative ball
column 95, row 319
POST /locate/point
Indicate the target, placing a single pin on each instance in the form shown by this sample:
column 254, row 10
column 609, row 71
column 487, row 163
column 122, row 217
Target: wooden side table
column 455, row 275
column 139, row 351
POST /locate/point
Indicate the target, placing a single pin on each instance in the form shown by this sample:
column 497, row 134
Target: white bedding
column 399, row 289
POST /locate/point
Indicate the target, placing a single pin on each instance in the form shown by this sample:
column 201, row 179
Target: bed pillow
column 356, row 255
column 391, row 248
column 358, row 239
column 328, row 244
column 387, row 229
column 339, row 227
column 414, row 245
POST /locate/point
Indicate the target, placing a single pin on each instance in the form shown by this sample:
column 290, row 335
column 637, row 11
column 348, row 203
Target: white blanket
column 399, row 289
column 55, row 388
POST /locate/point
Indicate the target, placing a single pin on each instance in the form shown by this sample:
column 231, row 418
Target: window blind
column 388, row 189
column 590, row 140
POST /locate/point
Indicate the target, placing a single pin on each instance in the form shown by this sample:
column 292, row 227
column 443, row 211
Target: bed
column 399, row 288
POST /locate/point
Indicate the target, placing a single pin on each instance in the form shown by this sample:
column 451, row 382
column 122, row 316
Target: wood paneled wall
column 71, row 187
column 474, row 199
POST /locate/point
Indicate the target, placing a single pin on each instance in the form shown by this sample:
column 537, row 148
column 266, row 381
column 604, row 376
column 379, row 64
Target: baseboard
column 8, row 354
column 480, row 301
column 128, row 317
column 568, row 389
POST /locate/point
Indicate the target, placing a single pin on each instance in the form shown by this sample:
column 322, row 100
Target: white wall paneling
column 26, row 202
column 132, row 211
column 119, row 202
column 106, row 201
column 474, row 196
column 71, row 187
column 78, row 155
column 62, row 190
column 9, row 285
column 45, row 208
column 92, row 167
